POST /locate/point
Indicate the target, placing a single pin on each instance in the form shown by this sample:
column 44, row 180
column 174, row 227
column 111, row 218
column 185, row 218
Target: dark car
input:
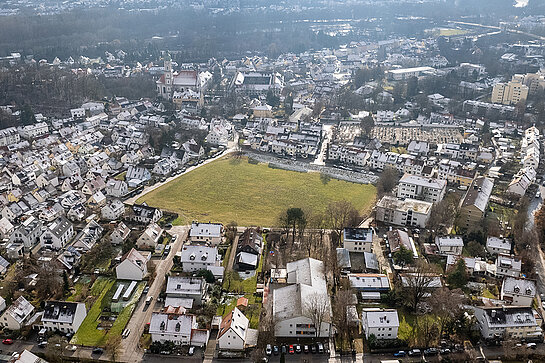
column 431, row 351
column 400, row 354
column 445, row 351
column 284, row 349
column 298, row 348
column 313, row 348
column 276, row 351
column 98, row 350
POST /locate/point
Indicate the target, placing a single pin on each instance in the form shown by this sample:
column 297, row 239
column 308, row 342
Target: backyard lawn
column 88, row 333
column 232, row 189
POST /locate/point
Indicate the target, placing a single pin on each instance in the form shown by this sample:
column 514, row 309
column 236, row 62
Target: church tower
column 168, row 76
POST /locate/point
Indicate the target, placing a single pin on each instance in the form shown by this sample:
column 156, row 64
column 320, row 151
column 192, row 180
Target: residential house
column 449, row 245
column 27, row 233
column 113, row 211
column 150, row 237
column 398, row 238
column 6, row 228
column 57, row 234
column 137, row 176
column 175, row 325
column 144, row 214
column 473, row 206
column 498, row 245
column 210, row 233
column 120, row 234
column 249, row 248
column 370, row 286
column 518, row 292
column 116, row 188
column 63, row 316
column 235, row 333
column 17, row 315
column 194, row 258
column 183, row 291
column 358, row 239
column 133, row 266
column 382, row 323
column 508, row 265
column 509, row 322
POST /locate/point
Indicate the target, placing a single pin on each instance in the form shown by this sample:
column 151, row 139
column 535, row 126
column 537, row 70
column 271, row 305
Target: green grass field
column 231, row 189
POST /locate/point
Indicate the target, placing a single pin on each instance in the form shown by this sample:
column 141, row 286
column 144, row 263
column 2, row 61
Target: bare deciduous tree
column 341, row 214
column 418, row 282
column 317, row 309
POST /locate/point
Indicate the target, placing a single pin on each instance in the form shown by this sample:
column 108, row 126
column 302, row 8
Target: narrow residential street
column 328, row 131
column 130, row 350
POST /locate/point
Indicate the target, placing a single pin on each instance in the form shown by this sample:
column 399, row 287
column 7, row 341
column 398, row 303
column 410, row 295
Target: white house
column 497, row 245
column 507, row 265
column 509, row 322
column 235, row 332
column 382, row 323
column 210, row 233
column 182, row 290
column 518, row 292
column 176, row 326
column 17, row 315
column 195, row 258
column 116, row 188
column 307, row 287
column 63, row 316
column 150, row 237
column 133, row 266
column 449, row 245
column 120, row 234
column 113, row 210
column 28, row 233
column 57, row 234
column 358, row 239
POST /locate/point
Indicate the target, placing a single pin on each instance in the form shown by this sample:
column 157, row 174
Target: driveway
column 130, row 350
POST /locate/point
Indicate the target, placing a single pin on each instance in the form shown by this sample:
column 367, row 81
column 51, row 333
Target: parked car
column 276, row 351
column 298, row 348
column 445, row 351
column 284, row 349
column 313, row 348
column 291, row 350
column 268, row 350
column 400, row 354
column 42, row 344
column 531, row 345
column 72, row 348
column 7, row 341
column 305, row 348
column 125, row 333
column 98, row 350
column 191, row 351
column 146, row 289
column 431, row 351
column 320, row 347
column 415, row 353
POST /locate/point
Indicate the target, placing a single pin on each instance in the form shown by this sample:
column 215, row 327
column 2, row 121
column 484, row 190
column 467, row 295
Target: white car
column 71, row 348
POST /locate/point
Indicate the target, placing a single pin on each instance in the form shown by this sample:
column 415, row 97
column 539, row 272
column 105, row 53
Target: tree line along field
column 234, row 189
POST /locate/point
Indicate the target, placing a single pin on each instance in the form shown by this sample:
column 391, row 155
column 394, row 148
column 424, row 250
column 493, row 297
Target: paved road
column 130, row 351
column 328, row 130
